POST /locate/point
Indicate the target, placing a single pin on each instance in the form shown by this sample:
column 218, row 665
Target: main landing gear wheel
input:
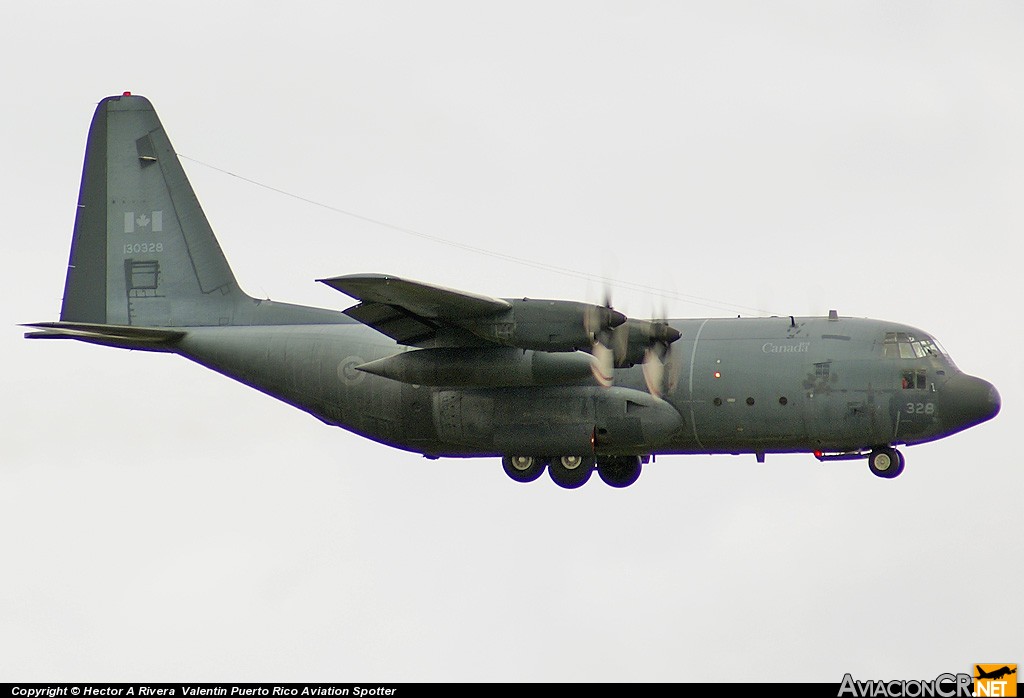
column 571, row 472
column 523, row 468
column 886, row 462
column 619, row 471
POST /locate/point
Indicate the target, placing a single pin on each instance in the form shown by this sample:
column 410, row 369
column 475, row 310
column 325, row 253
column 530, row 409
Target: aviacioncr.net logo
column 942, row 686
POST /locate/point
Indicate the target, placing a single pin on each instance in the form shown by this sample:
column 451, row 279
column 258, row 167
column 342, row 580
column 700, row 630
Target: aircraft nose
column 967, row 401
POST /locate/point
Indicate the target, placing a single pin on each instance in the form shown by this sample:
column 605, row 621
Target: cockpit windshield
column 903, row 345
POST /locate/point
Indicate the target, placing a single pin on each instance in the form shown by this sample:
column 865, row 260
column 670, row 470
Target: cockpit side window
column 891, row 349
column 930, row 348
column 915, row 380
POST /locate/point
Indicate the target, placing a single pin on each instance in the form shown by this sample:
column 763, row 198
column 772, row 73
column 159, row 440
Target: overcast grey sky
column 160, row 522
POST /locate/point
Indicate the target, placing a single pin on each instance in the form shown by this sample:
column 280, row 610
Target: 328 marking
column 920, row 408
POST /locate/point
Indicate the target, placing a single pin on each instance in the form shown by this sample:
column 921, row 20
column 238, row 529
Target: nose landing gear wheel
column 886, row 462
column 571, row 472
column 523, row 468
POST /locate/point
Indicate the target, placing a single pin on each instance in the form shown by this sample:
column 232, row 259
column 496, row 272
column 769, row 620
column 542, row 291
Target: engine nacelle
column 547, row 325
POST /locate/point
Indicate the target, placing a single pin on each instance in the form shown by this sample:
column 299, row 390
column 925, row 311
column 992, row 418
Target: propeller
column 627, row 343
column 661, row 370
column 602, row 322
column 603, row 364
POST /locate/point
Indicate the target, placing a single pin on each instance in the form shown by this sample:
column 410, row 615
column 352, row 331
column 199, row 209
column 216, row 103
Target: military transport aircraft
column 554, row 385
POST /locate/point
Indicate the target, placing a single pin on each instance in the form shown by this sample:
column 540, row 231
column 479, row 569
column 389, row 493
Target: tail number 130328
column 143, row 247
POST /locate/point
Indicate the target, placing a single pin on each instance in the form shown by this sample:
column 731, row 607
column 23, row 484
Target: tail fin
column 143, row 253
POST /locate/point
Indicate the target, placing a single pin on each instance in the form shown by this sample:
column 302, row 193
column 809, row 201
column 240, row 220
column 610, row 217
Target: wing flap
column 393, row 321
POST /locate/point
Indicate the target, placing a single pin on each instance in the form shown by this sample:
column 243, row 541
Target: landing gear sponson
column 571, row 472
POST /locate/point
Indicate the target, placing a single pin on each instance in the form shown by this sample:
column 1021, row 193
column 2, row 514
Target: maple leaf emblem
column 142, row 220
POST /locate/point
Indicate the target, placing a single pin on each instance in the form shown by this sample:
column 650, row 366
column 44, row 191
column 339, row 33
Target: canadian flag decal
column 152, row 221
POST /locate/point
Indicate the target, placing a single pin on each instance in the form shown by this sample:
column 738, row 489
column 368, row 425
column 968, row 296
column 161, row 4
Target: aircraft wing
column 411, row 311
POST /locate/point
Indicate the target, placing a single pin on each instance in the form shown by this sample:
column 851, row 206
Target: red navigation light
column 818, row 454
column 126, row 94
column 718, row 374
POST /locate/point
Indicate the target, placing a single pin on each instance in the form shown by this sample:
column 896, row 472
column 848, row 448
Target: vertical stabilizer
column 143, row 252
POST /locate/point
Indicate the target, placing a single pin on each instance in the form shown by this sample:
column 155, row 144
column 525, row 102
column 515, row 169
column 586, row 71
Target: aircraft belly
column 313, row 368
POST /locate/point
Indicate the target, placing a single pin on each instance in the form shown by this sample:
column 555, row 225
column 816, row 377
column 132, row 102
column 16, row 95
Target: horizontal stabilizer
column 125, row 336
